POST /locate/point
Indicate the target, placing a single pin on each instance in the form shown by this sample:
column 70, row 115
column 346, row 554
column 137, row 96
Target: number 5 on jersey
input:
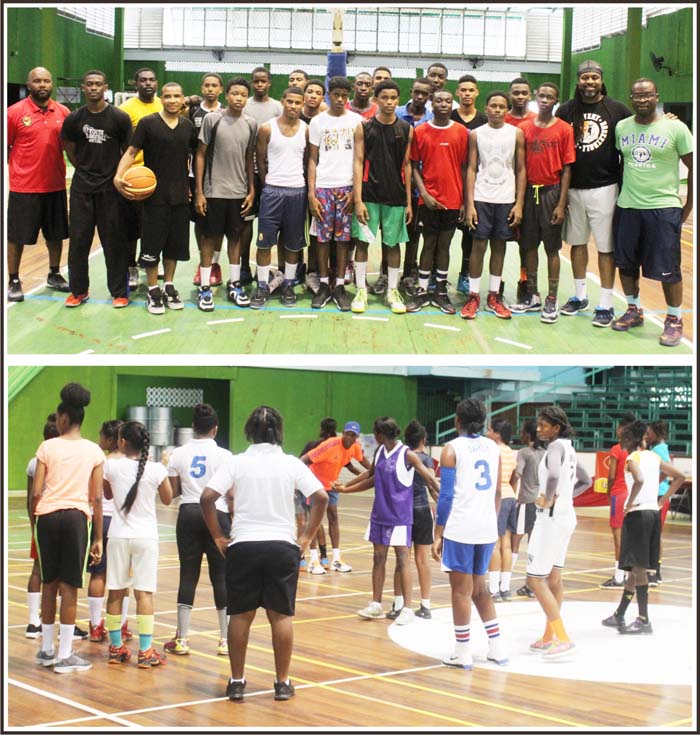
column 198, row 468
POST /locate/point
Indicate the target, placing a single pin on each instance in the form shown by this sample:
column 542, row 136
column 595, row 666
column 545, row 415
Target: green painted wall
column 40, row 37
column 302, row 397
column 670, row 36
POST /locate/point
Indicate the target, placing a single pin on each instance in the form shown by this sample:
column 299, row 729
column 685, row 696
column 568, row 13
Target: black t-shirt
column 385, row 149
column 166, row 152
column 477, row 121
column 597, row 160
column 199, row 113
column 100, row 139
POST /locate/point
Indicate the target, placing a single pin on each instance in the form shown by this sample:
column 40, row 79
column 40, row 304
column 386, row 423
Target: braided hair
column 264, row 426
column 136, row 436
column 557, row 417
column 110, row 431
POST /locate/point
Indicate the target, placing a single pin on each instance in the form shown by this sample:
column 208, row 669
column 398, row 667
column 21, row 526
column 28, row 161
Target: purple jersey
column 393, row 488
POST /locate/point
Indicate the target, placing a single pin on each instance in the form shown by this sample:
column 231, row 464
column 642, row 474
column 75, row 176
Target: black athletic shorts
column 223, row 218
column 262, row 574
column 493, row 221
column 650, row 239
column 641, row 540
column 193, row 537
column 101, row 567
column 29, row 213
column 166, row 233
column 536, row 227
column 62, row 541
column 133, row 215
column 433, row 221
column 422, row 532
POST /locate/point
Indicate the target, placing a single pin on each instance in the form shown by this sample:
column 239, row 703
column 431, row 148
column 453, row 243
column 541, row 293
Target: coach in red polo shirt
column 37, row 198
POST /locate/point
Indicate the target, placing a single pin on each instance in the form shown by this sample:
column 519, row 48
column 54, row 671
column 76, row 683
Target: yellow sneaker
column 395, row 302
column 359, row 303
column 222, row 648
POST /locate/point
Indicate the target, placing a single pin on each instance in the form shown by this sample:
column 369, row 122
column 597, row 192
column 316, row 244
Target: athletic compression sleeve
column 448, row 475
column 555, row 457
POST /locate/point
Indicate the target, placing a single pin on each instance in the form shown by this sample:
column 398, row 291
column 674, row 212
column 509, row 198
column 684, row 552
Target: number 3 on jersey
column 485, row 481
column 198, row 468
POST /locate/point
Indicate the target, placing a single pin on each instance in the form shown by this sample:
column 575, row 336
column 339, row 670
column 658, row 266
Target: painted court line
column 372, row 318
column 511, row 342
column 441, row 326
column 86, row 352
column 226, row 321
column 298, row 316
column 151, row 334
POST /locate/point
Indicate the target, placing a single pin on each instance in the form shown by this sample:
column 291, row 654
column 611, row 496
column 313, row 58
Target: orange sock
column 548, row 633
column 559, row 632
column 523, row 274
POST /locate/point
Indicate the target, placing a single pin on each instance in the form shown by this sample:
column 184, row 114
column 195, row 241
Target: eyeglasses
column 644, row 97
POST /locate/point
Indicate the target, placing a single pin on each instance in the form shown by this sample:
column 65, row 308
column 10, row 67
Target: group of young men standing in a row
column 358, row 167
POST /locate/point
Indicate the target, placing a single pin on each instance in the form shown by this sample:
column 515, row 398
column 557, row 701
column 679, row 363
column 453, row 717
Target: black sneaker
column 550, row 310
column 637, row 627
column 652, row 579
column 322, row 296
column 525, row 591
column 506, row 595
column 573, row 306
column 603, row 317
column 420, row 299
column 260, row 297
column 341, row 298
column 57, row 282
column 154, row 301
column 32, row 631
column 379, row 287
column 79, row 634
column 287, row 295
column 614, row 621
column 283, row 691
column 235, row 690
column 300, row 274
column 440, row 299
column 611, row 583
column 14, row 291
column 423, row 612
column 237, row 294
column 393, row 613
column 521, row 292
column 172, row 298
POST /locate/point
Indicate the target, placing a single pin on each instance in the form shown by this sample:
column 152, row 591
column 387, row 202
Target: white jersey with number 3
column 472, row 518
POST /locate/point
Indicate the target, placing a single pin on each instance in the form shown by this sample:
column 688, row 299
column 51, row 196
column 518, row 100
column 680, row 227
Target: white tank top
column 495, row 178
column 649, row 463
column 285, row 157
column 564, row 493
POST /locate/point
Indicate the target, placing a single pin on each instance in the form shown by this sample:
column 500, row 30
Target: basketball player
column 495, row 190
column 298, row 78
column 657, row 433
column 361, row 102
column 437, row 73
column 314, row 90
column 466, row 529
column 380, row 74
column 562, row 478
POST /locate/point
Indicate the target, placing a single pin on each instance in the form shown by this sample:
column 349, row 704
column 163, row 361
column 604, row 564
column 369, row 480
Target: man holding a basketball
column 167, row 140
column 94, row 138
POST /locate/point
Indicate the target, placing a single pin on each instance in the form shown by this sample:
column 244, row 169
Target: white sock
column 34, row 603
column 494, row 283
column 314, row 555
column 216, row 256
column 515, row 559
column 375, row 604
column 580, row 284
column 65, row 640
column 263, row 274
column 505, row 581
column 205, row 274
column 393, row 274
column 47, row 632
column 234, row 272
column 336, row 555
column 125, row 609
column 474, row 285
column 95, row 605
column 184, row 614
column 324, row 279
column 223, row 622
column 340, row 281
column 290, row 270
column 423, row 283
column 619, row 575
column 606, row 298
column 398, row 602
column 361, row 274
column 493, row 582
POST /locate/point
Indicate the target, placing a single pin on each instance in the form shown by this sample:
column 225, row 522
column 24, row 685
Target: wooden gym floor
column 348, row 672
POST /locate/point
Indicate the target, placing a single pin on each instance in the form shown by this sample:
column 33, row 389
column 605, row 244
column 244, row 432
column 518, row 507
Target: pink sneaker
column 557, row 649
column 541, row 646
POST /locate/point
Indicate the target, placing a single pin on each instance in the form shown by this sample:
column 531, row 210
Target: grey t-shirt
column 527, row 464
column 262, row 112
column 234, row 136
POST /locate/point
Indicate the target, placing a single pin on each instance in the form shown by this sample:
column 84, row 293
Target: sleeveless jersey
column 393, row 488
column 385, row 149
column 649, row 463
column 472, row 518
column 564, row 498
column 495, row 179
column 195, row 463
column 285, row 157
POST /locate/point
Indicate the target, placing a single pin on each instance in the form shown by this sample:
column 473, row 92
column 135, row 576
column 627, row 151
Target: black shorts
column 262, row 574
column 282, row 217
column 193, row 537
column 422, row 532
column 507, row 517
column 62, row 540
column 101, row 567
column 641, row 540
column 223, row 218
column 433, row 221
column 650, row 239
column 29, row 213
column 526, row 514
column 133, row 216
column 536, row 227
column 493, row 221
column 166, row 233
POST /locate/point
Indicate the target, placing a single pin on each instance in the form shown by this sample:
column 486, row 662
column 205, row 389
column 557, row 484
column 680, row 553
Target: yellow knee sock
column 548, row 633
column 559, row 632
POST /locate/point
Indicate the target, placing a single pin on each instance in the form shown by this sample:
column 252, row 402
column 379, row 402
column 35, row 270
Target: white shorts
column 591, row 210
column 548, row 543
column 138, row 556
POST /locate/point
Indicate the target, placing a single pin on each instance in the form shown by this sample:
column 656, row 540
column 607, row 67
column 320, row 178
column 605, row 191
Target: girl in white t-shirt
column 132, row 482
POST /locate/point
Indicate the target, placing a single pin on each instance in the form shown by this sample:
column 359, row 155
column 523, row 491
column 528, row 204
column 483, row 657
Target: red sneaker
column 98, row 632
column 471, row 307
column 127, row 635
column 150, row 658
column 120, row 302
column 197, row 278
column 215, row 279
column 119, row 654
column 73, row 301
column 494, row 303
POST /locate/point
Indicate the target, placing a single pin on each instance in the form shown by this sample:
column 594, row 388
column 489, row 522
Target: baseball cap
column 352, row 426
column 589, row 65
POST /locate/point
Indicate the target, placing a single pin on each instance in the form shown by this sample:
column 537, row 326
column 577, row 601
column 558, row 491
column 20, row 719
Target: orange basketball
column 140, row 181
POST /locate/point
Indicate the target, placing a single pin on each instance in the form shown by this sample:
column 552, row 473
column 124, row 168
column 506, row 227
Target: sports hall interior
column 354, row 673
column 180, row 44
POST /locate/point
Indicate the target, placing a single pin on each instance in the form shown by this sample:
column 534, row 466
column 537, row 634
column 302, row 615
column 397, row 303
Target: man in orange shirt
column 326, row 461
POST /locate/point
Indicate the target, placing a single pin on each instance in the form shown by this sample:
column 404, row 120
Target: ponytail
column 136, row 435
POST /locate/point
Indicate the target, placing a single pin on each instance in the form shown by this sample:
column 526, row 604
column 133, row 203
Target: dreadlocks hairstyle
column 386, row 426
column 414, row 434
column 74, row 398
column 530, row 431
column 110, row 431
column 557, row 417
column 264, row 426
column 136, row 436
column 577, row 112
column 471, row 415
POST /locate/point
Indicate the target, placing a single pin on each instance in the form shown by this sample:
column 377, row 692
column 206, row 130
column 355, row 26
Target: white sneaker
column 359, row 303
column 316, row 568
column 464, row 661
column 406, row 616
column 373, row 611
column 497, row 652
column 340, row 566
